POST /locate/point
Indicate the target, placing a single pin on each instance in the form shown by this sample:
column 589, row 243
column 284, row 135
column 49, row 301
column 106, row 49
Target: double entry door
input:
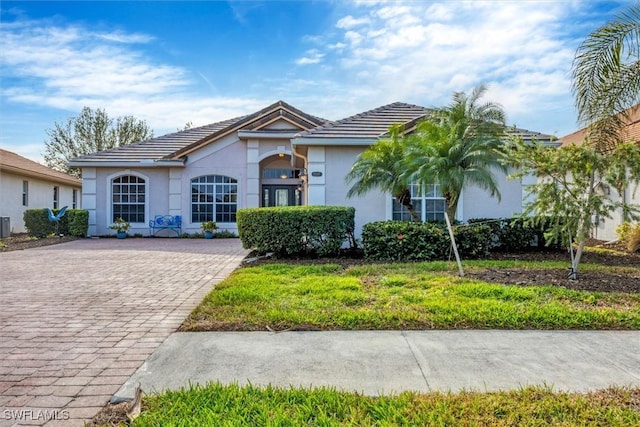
column 280, row 195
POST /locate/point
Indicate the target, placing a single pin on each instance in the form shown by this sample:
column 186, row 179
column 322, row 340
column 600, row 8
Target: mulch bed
column 22, row 241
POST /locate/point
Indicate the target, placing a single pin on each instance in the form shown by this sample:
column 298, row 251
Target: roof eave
column 28, row 173
column 144, row 163
column 334, row 141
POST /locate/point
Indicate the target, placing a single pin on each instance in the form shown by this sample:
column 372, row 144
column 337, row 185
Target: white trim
column 190, row 202
column 147, row 196
column 271, row 153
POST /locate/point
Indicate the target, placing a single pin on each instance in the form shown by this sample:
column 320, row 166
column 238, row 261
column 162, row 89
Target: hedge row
column 296, row 229
column 515, row 235
column 412, row 241
column 75, row 222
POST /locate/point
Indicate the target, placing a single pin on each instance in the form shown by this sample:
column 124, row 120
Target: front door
column 280, row 195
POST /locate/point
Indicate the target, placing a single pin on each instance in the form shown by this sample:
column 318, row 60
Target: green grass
column 233, row 405
column 403, row 296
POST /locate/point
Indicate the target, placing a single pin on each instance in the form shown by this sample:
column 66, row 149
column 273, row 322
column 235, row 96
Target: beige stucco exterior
column 39, row 195
column 277, row 138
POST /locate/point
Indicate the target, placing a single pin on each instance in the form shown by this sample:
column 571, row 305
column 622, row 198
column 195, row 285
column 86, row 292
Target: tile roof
column 158, row 148
column 371, row 124
column 631, row 131
column 173, row 146
column 14, row 163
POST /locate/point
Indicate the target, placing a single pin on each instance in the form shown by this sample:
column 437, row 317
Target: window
column 271, row 173
column 128, row 194
column 74, row 200
column 25, row 193
column 431, row 206
column 56, row 197
column 214, row 198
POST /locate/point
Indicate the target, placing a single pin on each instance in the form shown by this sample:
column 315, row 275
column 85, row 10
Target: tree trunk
column 584, row 226
column 404, row 198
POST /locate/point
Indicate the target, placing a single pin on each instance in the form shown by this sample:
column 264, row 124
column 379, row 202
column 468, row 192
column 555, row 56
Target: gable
column 172, row 149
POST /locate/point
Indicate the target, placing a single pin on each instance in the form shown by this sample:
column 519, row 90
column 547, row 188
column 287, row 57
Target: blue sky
column 170, row 63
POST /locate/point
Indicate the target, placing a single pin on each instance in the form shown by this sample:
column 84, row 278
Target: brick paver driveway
column 77, row 319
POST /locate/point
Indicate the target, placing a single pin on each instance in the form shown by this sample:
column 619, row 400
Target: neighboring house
column 606, row 227
column 277, row 156
column 25, row 184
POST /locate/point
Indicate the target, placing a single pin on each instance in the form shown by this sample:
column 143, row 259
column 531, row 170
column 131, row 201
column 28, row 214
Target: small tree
column 90, row 131
column 458, row 145
column 573, row 186
column 382, row 166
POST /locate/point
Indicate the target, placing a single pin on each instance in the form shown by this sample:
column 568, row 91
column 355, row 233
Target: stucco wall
column 606, row 228
column 40, row 196
column 478, row 203
column 369, row 207
column 100, row 217
column 227, row 157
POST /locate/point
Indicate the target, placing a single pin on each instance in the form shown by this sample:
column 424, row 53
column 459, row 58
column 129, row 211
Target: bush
column 630, row 235
column 75, row 222
column 515, row 234
column 411, row 241
column 321, row 230
column 78, row 222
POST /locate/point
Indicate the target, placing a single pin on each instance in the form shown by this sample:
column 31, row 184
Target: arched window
column 214, row 198
column 128, row 194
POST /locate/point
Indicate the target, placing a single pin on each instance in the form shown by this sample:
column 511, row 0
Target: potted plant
column 121, row 226
column 208, row 227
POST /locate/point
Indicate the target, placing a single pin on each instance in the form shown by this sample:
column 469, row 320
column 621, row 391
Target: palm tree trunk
column 404, row 198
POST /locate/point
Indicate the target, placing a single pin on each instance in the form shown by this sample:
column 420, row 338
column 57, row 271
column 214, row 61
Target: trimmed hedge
column 75, row 222
column 412, row 241
column 515, row 235
column 296, row 229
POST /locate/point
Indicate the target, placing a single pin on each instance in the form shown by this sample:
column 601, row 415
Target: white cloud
column 349, row 22
column 312, row 56
column 421, row 52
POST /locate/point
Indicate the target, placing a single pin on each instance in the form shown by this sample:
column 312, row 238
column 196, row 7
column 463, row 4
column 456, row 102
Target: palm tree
column 381, row 166
column 606, row 77
column 458, row 145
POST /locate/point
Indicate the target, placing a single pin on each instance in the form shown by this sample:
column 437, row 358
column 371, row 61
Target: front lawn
column 407, row 296
column 233, row 405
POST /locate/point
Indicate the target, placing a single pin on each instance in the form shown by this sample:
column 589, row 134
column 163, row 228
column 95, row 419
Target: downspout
column 305, row 163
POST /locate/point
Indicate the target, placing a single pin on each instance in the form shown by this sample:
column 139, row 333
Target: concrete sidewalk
column 383, row 362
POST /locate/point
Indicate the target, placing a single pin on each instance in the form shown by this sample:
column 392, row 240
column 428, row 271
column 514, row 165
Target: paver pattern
column 78, row 319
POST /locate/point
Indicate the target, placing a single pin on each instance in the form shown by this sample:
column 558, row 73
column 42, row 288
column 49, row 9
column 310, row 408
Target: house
column 605, row 228
column 25, row 184
column 277, row 156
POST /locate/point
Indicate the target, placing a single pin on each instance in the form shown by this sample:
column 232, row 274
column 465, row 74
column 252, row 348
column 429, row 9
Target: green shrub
column 411, row 241
column 75, row 222
column 515, row 234
column 37, row 223
column 296, row 229
column 78, row 222
column 401, row 240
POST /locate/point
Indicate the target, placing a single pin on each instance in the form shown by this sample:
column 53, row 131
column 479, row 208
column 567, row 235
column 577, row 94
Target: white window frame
column 430, row 193
column 215, row 186
column 109, row 193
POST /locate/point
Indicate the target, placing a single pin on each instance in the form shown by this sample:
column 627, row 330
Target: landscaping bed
column 17, row 242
